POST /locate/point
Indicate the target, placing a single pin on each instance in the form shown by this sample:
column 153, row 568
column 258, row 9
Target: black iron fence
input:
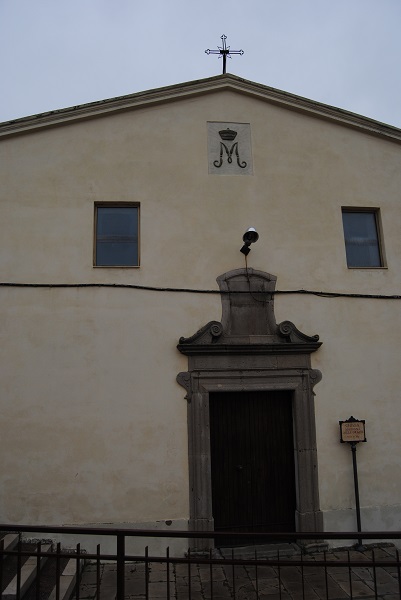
column 307, row 566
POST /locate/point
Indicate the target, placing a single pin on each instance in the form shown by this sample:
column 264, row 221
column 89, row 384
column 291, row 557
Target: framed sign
column 352, row 430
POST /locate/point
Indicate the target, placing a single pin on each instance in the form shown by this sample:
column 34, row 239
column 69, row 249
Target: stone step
column 68, row 580
column 28, row 574
column 10, row 540
column 263, row 551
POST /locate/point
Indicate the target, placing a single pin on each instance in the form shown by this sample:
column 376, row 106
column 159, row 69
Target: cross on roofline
column 224, row 52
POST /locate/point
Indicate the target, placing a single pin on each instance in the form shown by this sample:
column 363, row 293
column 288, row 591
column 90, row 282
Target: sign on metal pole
column 352, row 431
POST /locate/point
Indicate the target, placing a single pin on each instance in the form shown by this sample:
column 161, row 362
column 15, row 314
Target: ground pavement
column 250, row 583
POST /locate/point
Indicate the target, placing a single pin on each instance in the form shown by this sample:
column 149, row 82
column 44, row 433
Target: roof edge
column 176, row 92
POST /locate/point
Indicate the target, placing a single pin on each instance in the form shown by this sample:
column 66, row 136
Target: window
column 116, row 235
column 362, row 242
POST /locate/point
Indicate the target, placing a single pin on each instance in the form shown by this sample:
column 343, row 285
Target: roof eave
column 195, row 88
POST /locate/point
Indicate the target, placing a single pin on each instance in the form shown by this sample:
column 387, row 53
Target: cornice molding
column 182, row 91
column 248, row 349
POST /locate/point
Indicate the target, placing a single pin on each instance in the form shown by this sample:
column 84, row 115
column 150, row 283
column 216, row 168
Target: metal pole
column 120, row 566
column 356, row 486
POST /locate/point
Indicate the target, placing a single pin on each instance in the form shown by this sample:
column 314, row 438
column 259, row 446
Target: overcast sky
column 60, row 53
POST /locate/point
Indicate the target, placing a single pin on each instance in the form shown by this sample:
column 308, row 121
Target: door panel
column 252, row 460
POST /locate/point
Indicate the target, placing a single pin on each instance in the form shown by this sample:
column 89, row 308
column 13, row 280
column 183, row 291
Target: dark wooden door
column 252, row 460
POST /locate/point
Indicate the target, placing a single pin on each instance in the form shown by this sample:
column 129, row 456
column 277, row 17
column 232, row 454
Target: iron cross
column 224, row 52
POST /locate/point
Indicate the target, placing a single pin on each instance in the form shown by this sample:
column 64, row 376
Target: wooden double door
column 252, row 462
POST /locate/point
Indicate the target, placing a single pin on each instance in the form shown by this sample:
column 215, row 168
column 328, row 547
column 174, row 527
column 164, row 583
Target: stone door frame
column 307, row 516
column 275, row 358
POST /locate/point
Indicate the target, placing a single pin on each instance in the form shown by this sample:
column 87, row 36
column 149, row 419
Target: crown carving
column 228, row 134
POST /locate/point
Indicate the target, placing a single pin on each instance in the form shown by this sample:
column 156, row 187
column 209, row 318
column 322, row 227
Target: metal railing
column 293, row 570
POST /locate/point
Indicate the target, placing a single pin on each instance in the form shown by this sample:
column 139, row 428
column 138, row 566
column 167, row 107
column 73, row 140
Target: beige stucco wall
column 93, row 421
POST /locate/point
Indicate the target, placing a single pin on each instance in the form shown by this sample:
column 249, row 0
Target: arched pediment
column 248, row 324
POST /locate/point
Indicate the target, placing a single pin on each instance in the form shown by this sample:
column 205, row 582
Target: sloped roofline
column 189, row 89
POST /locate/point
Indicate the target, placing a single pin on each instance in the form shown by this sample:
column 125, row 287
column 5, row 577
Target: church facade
column 153, row 375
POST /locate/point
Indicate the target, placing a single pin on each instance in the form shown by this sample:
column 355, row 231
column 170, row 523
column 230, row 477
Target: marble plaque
column 229, row 148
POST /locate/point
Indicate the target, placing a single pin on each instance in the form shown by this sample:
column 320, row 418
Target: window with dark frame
column 362, row 240
column 116, row 235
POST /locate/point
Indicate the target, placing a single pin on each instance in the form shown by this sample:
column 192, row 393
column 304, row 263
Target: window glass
column 117, row 236
column 361, row 239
